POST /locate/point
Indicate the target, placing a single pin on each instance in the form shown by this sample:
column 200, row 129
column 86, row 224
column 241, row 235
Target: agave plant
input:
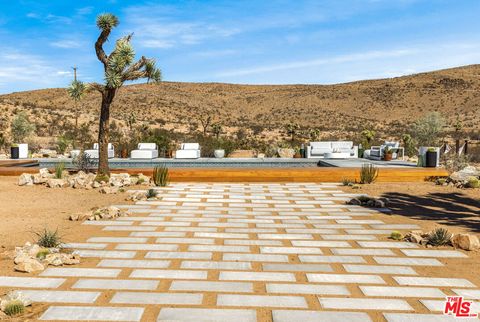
column 48, row 238
column 439, row 237
column 368, row 173
column 161, row 177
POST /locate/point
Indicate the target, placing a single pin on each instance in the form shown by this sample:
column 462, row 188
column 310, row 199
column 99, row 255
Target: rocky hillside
column 342, row 110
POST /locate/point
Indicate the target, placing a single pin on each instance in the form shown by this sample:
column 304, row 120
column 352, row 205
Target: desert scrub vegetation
column 439, row 237
column 48, row 238
column 368, row 174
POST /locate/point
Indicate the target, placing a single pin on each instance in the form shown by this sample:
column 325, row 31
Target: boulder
column 415, row 236
column 57, row 183
column 25, row 179
column 29, row 266
column 286, row 152
column 44, row 173
column 465, row 173
column 465, row 241
column 355, row 202
column 109, row 190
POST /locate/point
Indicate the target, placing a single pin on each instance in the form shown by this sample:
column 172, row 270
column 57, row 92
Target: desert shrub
column 427, row 131
column 162, row 138
column 396, row 235
column 368, row 173
column 454, row 162
column 348, row 182
column 160, row 176
column 59, row 167
column 63, row 143
column 14, row 308
column 48, row 238
column 21, row 127
column 367, row 138
column 83, row 162
column 439, row 237
column 151, row 193
column 473, row 182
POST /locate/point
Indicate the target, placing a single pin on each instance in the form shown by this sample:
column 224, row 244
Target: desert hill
column 387, row 105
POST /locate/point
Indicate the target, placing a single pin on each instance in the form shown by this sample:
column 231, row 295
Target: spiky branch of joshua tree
column 119, row 67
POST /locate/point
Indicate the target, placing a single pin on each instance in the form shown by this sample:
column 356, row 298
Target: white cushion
column 190, row 146
column 95, row 146
column 144, row 154
column 320, row 151
column 321, row 145
column 392, row 144
column 147, row 146
column 342, row 145
column 187, row 154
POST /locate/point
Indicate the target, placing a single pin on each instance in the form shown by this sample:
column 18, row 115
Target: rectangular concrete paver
column 261, row 301
column 216, row 265
column 116, row 284
column 433, row 253
column 345, row 278
column 318, row 316
column 378, row 269
column 257, row 276
column 30, row 282
column 156, row 298
column 168, row 274
column 298, row 267
column 206, row 315
column 469, row 294
column 364, row 251
column 255, row 257
column 134, row 263
column 89, row 272
column 105, row 253
column 433, row 281
column 401, row 291
column 407, row 261
column 331, row 259
column 211, row 286
column 61, row 296
column 92, row 313
column 411, row 317
column 364, row 304
column 307, row 289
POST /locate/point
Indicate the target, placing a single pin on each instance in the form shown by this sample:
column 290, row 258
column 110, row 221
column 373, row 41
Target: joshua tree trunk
column 103, row 133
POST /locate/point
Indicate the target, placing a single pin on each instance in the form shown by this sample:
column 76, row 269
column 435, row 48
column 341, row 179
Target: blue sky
column 251, row 42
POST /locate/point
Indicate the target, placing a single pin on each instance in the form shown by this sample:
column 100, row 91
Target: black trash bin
column 14, row 152
column 431, row 161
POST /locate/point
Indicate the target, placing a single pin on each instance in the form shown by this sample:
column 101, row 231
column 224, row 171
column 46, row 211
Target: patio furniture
column 319, row 149
column 377, row 152
column 74, row 153
column 145, row 151
column 94, row 153
column 188, row 151
column 336, row 155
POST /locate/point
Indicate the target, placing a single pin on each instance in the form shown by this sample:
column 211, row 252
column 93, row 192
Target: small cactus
column 43, row 253
column 396, row 235
column 439, row 237
column 151, row 193
column 14, row 308
column 160, row 176
column 473, row 182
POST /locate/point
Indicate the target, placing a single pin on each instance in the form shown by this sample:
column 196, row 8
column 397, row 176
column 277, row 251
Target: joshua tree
column 217, row 129
column 119, row 67
column 367, row 138
column 205, row 119
column 292, row 130
column 76, row 91
column 314, row 134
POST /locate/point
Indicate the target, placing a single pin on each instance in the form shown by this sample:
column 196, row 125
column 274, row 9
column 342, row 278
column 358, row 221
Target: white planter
column 219, row 154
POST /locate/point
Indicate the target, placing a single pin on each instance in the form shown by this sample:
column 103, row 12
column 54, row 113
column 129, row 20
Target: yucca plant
column 48, row 238
column 439, row 237
column 160, row 176
column 151, row 193
column 368, row 173
column 14, row 308
column 59, row 167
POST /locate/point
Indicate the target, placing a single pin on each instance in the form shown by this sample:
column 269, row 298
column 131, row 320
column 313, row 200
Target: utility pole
column 74, row 73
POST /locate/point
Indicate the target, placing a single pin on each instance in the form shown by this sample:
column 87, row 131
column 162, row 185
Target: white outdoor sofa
column 188, row 151
column 319, row 149
column 377, row 152
column 145, row 151
column 93, row 154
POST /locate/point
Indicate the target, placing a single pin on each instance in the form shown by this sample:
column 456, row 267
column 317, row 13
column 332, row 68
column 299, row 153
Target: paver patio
column 246, row 252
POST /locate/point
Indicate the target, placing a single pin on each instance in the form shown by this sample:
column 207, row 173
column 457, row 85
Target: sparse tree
column 427, row 130
column 292, row 130
column 314, row 134
column 205, row 120
column 119, row 67
column 21, row 127
column 367, row 138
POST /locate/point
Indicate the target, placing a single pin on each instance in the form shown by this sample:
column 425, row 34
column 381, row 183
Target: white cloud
column 66, row 43
column 85, row 10
column 317, row 62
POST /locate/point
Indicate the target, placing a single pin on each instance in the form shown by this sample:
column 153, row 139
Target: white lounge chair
column 319, row 149
column 377, row 152
column 145, row 151
column 93, row 154
column 188, row 151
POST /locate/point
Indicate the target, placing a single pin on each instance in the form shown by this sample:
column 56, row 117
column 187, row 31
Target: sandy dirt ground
column 28, row 209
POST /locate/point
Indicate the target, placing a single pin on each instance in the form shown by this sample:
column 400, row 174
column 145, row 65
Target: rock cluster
column 141, row 195
column 462, row 241
column 468, row 177
column 99, row 214
column 13, row 297
column 82, row 180
column 366, row 201
column 32, row 258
